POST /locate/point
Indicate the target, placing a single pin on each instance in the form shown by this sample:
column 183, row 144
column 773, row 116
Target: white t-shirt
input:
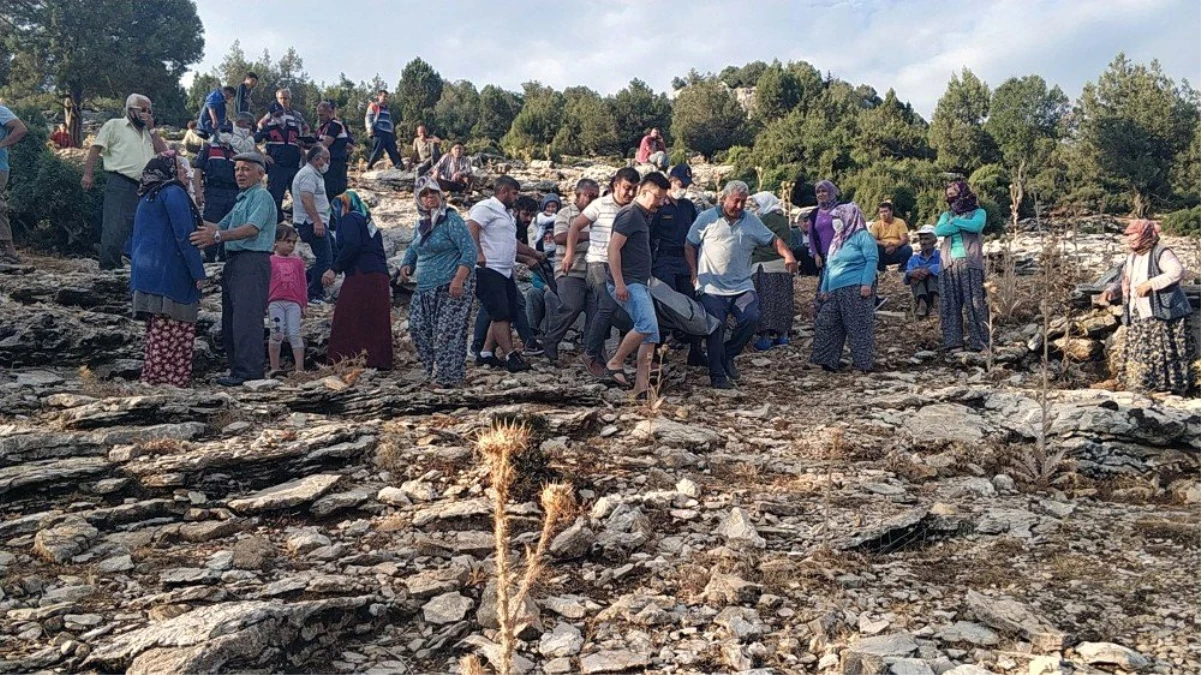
column 600, row 213
column 498, row 235
column 309, row 179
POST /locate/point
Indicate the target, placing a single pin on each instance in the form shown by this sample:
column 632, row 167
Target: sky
column 912, row 46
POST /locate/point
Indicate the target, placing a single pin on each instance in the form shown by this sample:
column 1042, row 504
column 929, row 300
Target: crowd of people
column 642, row 258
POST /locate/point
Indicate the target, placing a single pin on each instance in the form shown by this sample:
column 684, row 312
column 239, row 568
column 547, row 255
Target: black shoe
column 732, row 371
column 721, row 383
column 828, row 369
column 696, row 358
column 534, row 348
column 231, row 381
column 880, row 302
column 551, row 352
column 489, row 361
column 516, row 364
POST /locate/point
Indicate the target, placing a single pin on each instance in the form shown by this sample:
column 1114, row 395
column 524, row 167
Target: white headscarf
column 766, row 203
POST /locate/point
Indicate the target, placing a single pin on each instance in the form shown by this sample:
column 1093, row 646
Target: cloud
column 913, row 46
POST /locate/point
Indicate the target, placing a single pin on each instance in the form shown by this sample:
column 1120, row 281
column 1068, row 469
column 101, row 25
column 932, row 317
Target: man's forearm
column 615, row 266
column 236, row 233
column 89, row 164
column 690, row 258
column 310, row 208
column 160, row 146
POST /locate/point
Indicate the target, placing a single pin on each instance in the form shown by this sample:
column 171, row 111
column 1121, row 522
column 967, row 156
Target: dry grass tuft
column 348, row 370
column 91, row 385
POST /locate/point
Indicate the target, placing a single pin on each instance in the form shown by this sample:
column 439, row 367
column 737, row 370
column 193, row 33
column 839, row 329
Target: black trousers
column 245, row 283
column 335, row 178
column 384, row 142
column 279, row 180
column 120, row 205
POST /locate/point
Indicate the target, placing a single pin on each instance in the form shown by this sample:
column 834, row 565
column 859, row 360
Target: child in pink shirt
column 288, row 298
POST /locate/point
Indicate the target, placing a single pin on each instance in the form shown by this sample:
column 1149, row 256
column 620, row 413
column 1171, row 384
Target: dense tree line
column 1130, row 143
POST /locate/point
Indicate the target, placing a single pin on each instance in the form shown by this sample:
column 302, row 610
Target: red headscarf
column 1141, row 235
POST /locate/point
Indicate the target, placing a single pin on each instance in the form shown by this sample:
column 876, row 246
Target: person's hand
column 371, row 134
column 568, row 259
column 319, row 229
column 1106, row 297
column 823, row 296
column 204, row 236
column 269, row 158
column 480, row 260
column 87, row 181
column 200, row 284
column 818, row 259
column 456, row 289
column 304, row 312
column 865, row 291
column 540, row 255
column 695, row 282
column 327, row 279
column 890, row 249
column 200, row 200
column 1144, row 289
column 622, row 293
column 790, row 265
column 405, row 272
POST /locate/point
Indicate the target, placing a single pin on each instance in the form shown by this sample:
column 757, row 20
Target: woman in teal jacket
column 961, row 282
column 847, row 312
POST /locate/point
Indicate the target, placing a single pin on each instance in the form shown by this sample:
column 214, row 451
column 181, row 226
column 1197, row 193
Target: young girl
column 287, row 299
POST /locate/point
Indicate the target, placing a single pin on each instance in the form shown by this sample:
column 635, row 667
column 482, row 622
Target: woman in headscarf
column 166, row 272
column 847, row 312
column 1159, row 347
column 773, row 281
column 362, row 321
column 443, row 256
column 961, row 282
column 821, row 221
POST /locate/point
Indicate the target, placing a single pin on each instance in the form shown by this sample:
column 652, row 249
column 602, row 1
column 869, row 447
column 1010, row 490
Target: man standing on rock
column 212, row 114
column 282, row 132
column 311, row 216
column 379, row 126
column 726, row 236
column 242, row 98
column 575, row 296
column 333, row 135
column 214, row 183
column 248, row 234
column 598, row 218
column 12, row 130
column 127, row 144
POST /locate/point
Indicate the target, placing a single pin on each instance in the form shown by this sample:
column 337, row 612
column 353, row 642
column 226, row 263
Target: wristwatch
column 217, row 236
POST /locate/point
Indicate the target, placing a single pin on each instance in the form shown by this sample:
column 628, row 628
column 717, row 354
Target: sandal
column 612, row 375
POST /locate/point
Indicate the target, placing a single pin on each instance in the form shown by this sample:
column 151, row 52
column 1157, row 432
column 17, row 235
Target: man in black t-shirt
column 333, row 135
column 630, row 274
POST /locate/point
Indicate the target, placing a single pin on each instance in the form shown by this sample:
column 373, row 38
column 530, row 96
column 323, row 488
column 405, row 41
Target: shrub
column 48, row 208
column 995, row 223
column 679, row 155
column 1183, row 222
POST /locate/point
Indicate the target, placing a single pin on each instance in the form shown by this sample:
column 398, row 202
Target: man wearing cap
column 281, row 130
column 682, row 186
column 921, row 272
column 214, row 183
column 127, row 144
column 248, row 234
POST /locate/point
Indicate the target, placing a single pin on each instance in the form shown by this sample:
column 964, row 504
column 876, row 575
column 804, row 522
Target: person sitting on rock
column 453, row 170
column 892, row 238
column 921, row 272
column 426, row 150
column 652, row 150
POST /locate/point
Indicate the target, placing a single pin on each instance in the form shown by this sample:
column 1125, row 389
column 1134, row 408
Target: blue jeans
column 745, row 309
column 323, row 251
column 641, row 309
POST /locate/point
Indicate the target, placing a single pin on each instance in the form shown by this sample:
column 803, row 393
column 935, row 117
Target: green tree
column 418, row 92
column 745, row 76
column 706, row 118
column 498, row 109
column 539, row 120
column 201, row 85
column 458, row 111
column 891, row 130
column 636, row 110
column 1134, row 122
column 1186, row 171
column 810, row 81
column 1022, row 114
column 588, row 126
column 103, row 47
column 957, row 131
column 776, row 94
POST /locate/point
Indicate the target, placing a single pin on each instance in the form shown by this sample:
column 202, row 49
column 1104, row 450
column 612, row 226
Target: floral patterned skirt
column 168, row 351
column 1158, row 355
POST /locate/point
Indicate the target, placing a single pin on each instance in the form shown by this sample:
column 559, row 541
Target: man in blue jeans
column 718, row 250
column 311, row 216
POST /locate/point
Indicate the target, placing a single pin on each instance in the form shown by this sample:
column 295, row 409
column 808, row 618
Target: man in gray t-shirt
column 726, row 235
column 310, row 215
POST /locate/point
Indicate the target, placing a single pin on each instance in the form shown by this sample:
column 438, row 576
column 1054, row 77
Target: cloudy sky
column 911, row 45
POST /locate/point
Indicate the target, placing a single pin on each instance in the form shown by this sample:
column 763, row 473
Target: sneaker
column 534, row 348
column 489, row 361
column 763, row 344
column 516, row 364
column 732, row 371
column 880, row 302
column 230, row 381
column 782, row 341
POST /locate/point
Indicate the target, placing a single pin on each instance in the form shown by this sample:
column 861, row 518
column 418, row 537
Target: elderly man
column 12, row 130
column 283, row 99
column 127, row 144
column 379, row 127
column 575, row 296
column 726, row 236
column 426, row 150
column 334, row 136
column 453, row 171
column 248, row 234
column 311, row 216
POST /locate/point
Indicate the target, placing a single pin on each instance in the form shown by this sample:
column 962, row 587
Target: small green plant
column 1182, row 223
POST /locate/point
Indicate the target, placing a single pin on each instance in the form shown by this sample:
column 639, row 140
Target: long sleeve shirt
column 1135, row 271
column 437, row 256
column 360, row 252
column 164, row 262
column 854, row 264
column 961, row 237
column 931, row 263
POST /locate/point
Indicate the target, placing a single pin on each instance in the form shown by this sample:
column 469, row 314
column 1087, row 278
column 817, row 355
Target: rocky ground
column 905, row 522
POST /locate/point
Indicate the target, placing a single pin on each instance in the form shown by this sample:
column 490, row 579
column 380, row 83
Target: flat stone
column 1110, row 654
column 738, row 530
column 447, row 608
column 573, row 542
column 120, row 563
column 286, row 495
column 613, row 661
column 868, row 656
column 305, row 541
column 428, row 583
column 1012, row 617
column 419, row 490
column 209, row 530
column 253, row 553
column 947, row 422
column 910, row 667
column 189, row 576
column 563, row 640
column 462, row 508
column 393, row 496
column 568, row 608
column 676, row 434
column 730, row 589
column 971, row 633
column 68, row 538
column 339, row 501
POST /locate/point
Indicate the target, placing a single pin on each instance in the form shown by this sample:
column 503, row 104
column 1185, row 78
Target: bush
column 679, row 156
column 48, row 208
column 995, row 223
column 991, row 182
column 1185, row 222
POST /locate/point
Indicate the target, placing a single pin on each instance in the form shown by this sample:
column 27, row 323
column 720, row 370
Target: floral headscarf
column 852, row 221
column 428, row 218
column 348, row 202
column 966, row 201
column 161, row 171
column 1143, row 233
column 831, row 190
column 767, row 203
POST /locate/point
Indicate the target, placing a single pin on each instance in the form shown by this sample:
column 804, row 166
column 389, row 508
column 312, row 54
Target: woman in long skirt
column 1159, row 347
column 961, row 282
column 847, row 308
column 443, row 256
column 166, row 272
column 362, row 323
column 773, row 281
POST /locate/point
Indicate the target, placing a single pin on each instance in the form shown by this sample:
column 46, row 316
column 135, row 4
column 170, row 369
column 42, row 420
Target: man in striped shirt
column 453, row 171
column 379, row 127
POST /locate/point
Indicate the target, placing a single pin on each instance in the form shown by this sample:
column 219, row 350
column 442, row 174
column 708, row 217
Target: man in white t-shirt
column 598, row 218
column 495, row 233
column 311, row 216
